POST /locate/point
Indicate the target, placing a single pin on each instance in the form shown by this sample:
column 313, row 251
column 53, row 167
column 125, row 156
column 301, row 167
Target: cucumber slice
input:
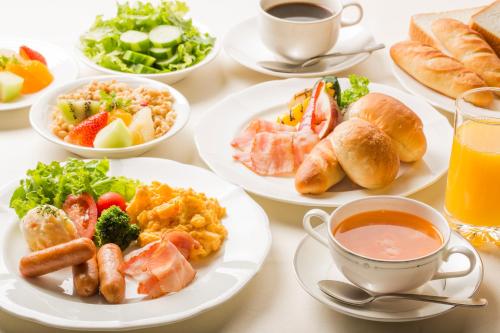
column 165, row 36
column 138, row 58
column 142, row 69
column 135, row 40
column 165, row 63
column 75, row 111
column 161, row 53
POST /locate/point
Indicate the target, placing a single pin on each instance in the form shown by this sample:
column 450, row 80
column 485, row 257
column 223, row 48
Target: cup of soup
column 388, row 244
column 301, row 29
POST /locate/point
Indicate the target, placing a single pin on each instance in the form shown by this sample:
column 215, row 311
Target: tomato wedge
column 82, row 210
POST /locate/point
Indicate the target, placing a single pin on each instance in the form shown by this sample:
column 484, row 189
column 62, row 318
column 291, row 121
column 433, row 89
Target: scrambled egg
column 158, row 208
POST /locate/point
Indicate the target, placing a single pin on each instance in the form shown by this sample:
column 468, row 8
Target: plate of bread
column 325, row 142
column 449, row 53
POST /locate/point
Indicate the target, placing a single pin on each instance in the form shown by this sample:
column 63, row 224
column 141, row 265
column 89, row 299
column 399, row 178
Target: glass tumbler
column 472, row 201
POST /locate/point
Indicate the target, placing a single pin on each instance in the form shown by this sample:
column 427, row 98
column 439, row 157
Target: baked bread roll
column 437, row 71
column 396, row 120
column 320, row 170
column 470, row 48
column 366, row 153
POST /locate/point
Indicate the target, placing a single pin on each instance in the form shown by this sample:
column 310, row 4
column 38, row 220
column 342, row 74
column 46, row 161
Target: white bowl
column 41, row 110
column 170, row 77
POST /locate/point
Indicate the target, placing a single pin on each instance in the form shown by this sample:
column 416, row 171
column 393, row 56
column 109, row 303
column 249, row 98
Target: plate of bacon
column 325, row 142
column 160, row 254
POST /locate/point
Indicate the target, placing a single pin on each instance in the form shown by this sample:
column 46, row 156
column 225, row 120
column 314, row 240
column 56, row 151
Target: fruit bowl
column 40, row 117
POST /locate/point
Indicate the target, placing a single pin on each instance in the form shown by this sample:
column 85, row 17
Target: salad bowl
column 40, row 117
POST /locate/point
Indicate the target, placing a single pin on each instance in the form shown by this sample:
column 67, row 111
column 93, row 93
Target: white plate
column 418, row 89
column 62, row 66
column 269, row 99
column 49, row 300
column 42, row 109
column 309, row 272
column 171, row 77
column 243, row 44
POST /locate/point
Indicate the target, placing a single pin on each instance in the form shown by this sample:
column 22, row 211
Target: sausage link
column 86, row 278
column 112, row 281
column 57, row 257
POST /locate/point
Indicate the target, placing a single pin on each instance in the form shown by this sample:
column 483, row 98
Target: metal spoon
column 352, row 295
column 285, row 67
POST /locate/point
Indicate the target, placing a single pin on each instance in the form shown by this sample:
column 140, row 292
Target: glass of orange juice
column 472, row 201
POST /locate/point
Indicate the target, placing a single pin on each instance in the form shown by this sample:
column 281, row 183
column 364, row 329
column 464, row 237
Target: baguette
column 470, row 48
column 320, row 170
column 437, row 71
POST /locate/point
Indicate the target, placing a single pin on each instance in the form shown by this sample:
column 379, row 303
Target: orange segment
column 123, row 115
column 35, row 74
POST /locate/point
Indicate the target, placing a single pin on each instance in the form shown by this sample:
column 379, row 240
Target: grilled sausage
column 112, row 281
column 57, row 257
column 86, row 278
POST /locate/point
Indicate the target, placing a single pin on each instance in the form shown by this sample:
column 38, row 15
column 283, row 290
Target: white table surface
column 273, row 301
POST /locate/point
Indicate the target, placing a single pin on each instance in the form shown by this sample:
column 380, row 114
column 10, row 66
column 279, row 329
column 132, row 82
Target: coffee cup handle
column 457, row 249
column 306, row 222
column 351, row 3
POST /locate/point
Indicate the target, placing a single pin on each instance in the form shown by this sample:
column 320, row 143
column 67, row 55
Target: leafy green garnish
column 111, row 102
column 3, row 61
column 359, row 88
column 52, row 183
column 101, row 43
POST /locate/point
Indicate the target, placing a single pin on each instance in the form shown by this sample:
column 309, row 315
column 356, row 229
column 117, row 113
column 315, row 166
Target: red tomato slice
column 111, row 199
column 30, row 54
column 82, row 210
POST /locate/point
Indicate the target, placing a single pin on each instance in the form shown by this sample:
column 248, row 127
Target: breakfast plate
column 418, row 89
column 60, row 64
column 50, row 300
column 268, row 100
column 243, row 44
column 42, row 109
column 309, row 272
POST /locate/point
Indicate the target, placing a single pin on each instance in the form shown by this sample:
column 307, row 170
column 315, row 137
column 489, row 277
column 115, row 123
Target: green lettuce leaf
column 358, row 89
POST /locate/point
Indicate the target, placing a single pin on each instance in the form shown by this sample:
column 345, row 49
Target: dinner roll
column 396, row 120
column 366, row 153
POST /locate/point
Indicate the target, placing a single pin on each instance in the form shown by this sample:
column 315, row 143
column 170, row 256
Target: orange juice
column 473, row 189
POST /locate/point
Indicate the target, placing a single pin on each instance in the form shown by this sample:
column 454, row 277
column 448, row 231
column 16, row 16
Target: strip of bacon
column 244, row 140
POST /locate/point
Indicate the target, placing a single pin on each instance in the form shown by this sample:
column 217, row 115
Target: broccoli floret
column 114, row 226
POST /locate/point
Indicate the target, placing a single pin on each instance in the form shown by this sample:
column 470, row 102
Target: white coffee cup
column 388, row 276
column 301, row 40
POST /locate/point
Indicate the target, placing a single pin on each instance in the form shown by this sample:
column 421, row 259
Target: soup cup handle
column 306, row 222
column 461, row 250
column 351, row 3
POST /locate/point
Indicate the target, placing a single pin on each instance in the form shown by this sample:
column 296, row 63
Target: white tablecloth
column 273, row 301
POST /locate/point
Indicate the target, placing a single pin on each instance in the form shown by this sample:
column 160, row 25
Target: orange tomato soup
column 388, row 235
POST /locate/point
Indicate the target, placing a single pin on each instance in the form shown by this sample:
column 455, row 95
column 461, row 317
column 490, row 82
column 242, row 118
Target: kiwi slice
column 74, row 111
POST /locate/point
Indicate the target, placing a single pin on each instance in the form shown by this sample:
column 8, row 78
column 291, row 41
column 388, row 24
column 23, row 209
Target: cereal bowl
column 46, row 122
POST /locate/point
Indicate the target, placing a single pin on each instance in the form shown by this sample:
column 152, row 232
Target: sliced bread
column 421, row 24
column 487, row 23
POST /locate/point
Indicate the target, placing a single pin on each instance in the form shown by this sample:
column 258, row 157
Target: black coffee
column 299, row 11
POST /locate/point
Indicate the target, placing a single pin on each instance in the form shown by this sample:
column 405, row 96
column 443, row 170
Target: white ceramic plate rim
column 34, row 97
column 340, row 309
column 42, row 104
column 58, row 322
column 307, row 200
column 348, row 63
column 158, row 76
column 418, row 89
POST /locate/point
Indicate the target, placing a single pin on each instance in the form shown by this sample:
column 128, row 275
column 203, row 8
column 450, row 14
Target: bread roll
column 366, row 153
column 320, row 170
column 437, row 71
column 470, row 48
column 396, row 120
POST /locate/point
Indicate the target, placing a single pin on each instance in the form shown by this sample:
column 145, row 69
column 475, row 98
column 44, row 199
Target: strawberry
column 30, row 54
column 84, row 133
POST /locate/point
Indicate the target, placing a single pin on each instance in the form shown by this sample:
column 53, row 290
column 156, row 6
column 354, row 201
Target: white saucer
column 243, row 44
column 312, row 263
column 418, row 89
